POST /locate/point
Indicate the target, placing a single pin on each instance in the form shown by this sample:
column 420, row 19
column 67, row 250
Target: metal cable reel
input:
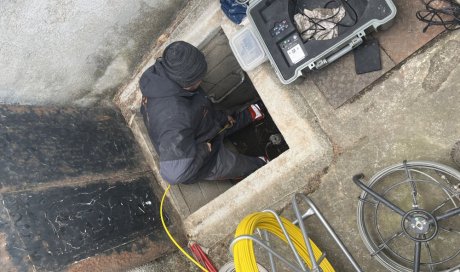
column 409, row 216
column 260, row 228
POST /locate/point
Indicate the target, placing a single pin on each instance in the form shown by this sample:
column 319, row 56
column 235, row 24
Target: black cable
column 316, row 23
column 266, row 150
column 444, row 13
column 355, row 19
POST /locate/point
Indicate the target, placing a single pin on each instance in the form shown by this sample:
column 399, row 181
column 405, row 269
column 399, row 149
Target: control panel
column 279, row 28
column 293, row 48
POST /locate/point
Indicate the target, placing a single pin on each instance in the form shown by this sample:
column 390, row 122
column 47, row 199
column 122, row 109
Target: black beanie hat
column 184, row 63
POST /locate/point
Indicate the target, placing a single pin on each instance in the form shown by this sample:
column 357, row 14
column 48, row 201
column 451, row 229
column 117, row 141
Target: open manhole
column 231, row 90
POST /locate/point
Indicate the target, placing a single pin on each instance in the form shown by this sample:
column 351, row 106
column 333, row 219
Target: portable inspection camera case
column 273, row 24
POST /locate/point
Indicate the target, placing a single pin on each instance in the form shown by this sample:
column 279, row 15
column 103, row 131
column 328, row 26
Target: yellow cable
column 172, row 238
column 243, row 252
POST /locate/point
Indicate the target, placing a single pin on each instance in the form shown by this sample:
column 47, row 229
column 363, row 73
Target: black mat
column 74, row 185
column 59, row 226
column 40, row 145
column 367, row 57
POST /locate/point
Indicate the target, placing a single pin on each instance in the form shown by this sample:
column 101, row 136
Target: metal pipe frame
column 286, row 234
column 268, row 248
column 326, row 225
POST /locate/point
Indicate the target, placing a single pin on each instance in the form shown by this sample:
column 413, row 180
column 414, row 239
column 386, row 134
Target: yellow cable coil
column 243, row 252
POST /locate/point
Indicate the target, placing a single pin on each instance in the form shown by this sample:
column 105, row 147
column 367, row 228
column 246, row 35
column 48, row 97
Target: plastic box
column 273, row 24
column 247, row 49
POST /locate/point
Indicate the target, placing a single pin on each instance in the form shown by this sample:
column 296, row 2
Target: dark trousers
column 230, row 165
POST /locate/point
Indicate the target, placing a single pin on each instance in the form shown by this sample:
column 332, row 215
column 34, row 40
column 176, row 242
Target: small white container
column 247, row 49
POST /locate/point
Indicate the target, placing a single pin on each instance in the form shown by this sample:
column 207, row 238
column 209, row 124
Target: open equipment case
column 272, row 22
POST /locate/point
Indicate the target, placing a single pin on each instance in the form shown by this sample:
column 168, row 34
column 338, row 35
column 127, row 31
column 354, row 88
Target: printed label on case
column 296, row 54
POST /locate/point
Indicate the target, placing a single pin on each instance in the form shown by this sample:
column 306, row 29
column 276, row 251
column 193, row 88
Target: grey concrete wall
column 75, row 51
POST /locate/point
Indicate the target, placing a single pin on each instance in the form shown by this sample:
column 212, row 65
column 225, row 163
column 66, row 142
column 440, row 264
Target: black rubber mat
column 40, row 145
column 62, row 225
column 367, row 57
column 75, row 191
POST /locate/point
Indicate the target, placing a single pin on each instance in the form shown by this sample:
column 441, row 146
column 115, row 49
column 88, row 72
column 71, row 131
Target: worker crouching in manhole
column 185, row 129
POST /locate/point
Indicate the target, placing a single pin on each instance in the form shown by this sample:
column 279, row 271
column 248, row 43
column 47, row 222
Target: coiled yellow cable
column 172, row 238
column 243, row 252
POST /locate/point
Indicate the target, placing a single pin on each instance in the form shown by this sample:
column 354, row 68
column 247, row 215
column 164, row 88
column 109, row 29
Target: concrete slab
column 406, row 36
column 201, row 193
column 75, row 53
column 402, row 117
column 169, row 263
column 423, row 79
column 339, row 82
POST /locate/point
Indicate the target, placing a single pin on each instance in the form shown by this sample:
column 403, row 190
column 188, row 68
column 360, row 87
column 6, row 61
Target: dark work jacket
column 180, row 123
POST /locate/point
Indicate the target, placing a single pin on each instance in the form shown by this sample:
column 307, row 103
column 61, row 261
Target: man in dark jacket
column 183, row 125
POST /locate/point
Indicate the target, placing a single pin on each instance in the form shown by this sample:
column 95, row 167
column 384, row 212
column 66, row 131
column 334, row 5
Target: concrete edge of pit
column 271, row 186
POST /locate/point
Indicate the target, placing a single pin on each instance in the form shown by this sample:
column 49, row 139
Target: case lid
column 247, row 49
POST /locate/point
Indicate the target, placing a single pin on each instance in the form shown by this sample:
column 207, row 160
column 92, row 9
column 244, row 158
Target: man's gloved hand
column 230, row 122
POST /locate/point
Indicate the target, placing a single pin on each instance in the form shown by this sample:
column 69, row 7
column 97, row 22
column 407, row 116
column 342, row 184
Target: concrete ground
column 411, row 113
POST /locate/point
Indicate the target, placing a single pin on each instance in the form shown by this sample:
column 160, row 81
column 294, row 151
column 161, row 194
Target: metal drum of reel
column 409, row 216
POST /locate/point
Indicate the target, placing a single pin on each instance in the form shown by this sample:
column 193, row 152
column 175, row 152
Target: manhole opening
column 231, row 90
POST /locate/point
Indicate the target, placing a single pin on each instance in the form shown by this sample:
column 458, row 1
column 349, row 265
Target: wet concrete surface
column 75, row 192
